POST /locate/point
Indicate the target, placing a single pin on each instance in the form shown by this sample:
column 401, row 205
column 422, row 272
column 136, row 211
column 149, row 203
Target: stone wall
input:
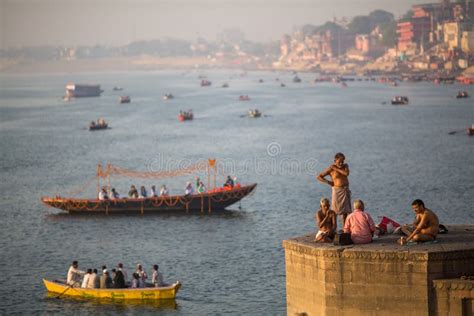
column 381, row 278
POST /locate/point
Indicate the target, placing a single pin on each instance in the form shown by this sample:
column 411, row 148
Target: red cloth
column 361, row 226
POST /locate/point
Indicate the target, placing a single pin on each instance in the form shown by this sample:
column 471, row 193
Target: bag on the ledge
column 342, row 239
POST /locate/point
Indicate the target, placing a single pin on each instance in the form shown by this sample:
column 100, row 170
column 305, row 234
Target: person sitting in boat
column 153, row 191
column 92, row 124
column 133, row 193
column 236, row 183
column 135, row 280
column 201, row 187
column 229, row 182
column 103, row 194
column 164, row 191
column 142, row 276
column 74, row 275
column 198, row 180
column 119, row 280
column 189, row 188
column 120, row 268
column 85, row 280
column 114, row 194
column 143, row 193
column 105, row 280
column 93, row 281
column 157, row 277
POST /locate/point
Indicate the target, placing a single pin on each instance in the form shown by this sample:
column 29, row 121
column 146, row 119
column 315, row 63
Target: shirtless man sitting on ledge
column 425, row 226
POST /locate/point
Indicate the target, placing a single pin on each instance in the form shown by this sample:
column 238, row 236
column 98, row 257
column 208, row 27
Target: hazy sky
column 116, row 22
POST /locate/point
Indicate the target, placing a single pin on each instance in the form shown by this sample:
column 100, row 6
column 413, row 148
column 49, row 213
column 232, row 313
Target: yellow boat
column 148, row 293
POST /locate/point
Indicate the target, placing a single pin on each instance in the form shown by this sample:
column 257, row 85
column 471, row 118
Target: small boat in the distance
column 254, row 113
column 225, row 85
column 260, row 80
column 100, row 124
column 462, row 95
column 244, row 98
column 117, row 88
column 470, row 130
column 205, row 83
column 185, row 115
column 399, row 100
column 296, row 79
column 168, row 96
column 125, row 99
column 146, row 293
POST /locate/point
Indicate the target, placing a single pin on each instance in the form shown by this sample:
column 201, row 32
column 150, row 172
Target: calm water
column 230, row 262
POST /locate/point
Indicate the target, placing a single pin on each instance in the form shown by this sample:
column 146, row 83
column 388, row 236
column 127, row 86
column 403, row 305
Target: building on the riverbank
column 381, row 278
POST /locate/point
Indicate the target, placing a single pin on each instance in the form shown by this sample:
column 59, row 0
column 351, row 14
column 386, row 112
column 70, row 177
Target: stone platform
column 381, row 278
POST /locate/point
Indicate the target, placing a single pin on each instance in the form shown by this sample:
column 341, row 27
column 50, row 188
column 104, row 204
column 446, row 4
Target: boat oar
column 67, row 289
column 455, row 132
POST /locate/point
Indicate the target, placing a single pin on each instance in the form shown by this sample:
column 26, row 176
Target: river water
column 229, row 262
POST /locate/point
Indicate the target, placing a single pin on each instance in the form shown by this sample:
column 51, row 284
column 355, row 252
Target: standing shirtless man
column 341, row 195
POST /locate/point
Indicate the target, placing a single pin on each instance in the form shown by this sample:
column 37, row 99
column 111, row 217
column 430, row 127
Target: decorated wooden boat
column 147, row 293
column 462, row 95
column 217, row 198
column 209, row 201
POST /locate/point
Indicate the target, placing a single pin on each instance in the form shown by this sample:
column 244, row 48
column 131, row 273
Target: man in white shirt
column 164, row 190
column 189, row 189
column 114, row 194
column 74, row 275
column 93, row 280
column 85, row 280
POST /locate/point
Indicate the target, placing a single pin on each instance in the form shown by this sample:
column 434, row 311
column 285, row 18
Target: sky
column 119, row 22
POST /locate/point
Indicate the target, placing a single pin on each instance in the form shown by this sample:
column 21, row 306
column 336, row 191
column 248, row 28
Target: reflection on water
column 98, row 305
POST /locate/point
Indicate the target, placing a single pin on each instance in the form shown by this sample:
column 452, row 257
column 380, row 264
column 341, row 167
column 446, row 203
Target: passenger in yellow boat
column 114, row 194
column 103, row 194
column 118, row 280
column 143, row 193
column 201, row 187
column 164, row 191
column 125, row 275
column 135, row 280
column 189, row 188
column 86, row 278
column 133, row 193
column 142, row 276
column 153, row 191
column 105, row 280
column 74, row 275
column 157, row 277
column 93, row 281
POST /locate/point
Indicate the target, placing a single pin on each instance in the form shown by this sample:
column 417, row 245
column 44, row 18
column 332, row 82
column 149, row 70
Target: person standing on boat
column 164, row 190
column 143, row 193
column 153, row 191
column 74, row 275
column 341, row 195
column 85, row 280
column 157, row 277
column 142, row 276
